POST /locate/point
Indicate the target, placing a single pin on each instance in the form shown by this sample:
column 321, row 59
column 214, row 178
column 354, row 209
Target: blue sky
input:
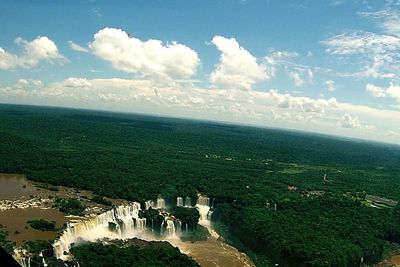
column 323, row 66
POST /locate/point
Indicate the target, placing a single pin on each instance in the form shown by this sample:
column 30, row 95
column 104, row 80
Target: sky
column 329, row 67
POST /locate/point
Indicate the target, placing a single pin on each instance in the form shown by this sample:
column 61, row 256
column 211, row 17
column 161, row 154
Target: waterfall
column 140, row 223
column 203, row 200
column 188, row 202
column 170, row 227
column 179, row 202
column 162, row 227
column 178, row 226
column 43, row 261
column 149, row 204
column 203, row 206
column 152, row 225
column 22, row 257
column 97, row 227
column 160, row 203
column 25, row 261
column 186, row 227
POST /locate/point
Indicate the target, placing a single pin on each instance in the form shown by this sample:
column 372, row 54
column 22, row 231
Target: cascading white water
column 203, row 206
column 126, row 224
column 149, row 204
column 188, row 202
column 178, row 226
column 160, row 203
column 140, row 223
column 43, row 261
column 170, row 227
column 22, row 257
column 25, row 262
column 203, row 200
column 162, row 227
column 179, row 202
column 97, row 227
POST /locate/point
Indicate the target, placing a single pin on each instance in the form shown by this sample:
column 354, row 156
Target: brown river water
column 13, row 186
column 214, row 253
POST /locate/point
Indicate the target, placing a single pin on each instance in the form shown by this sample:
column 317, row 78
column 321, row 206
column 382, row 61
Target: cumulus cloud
column 350, row 122
column 76, row 83
column 353, row 122
column 237, row 68
column 376, row 91
column 330, row 85
column 77, row 47
column 393, row 91
column 35, row 51
column 148, row 58
column 303, row 104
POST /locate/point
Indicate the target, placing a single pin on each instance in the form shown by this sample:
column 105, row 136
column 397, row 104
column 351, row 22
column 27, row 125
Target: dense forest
column 288, row 197
column 138, row 254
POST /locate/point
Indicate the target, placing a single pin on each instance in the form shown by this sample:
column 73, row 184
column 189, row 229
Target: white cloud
column 77, row 47
column 300, row 74
column 76, row 83
column 377, row 53
column 295, row 76
column 267, row 108
column 237, row 68
column 330, row 85
column 277, row 59
column 350, row 122
column 361, row 43
column 392, row 91
column 376, row 91
column 35, row 51
column 148, row 58
column 388, row 19
column 353, row 122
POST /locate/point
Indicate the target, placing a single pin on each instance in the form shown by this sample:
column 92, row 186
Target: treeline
column 321, row 231
column 153, row 254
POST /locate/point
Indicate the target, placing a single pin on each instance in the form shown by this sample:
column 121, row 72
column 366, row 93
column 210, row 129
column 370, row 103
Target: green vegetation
column 36, row 246
column 154, row 254
column 112, row 226
column 101, row 200
column 201, row 233
column 5, row 243
column 153, row 218
column 187, row 216
column 70, row 206
column 42, row 225
column 244, row 169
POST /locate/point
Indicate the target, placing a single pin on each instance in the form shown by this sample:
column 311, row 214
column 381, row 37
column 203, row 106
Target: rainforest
column 282, row 197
